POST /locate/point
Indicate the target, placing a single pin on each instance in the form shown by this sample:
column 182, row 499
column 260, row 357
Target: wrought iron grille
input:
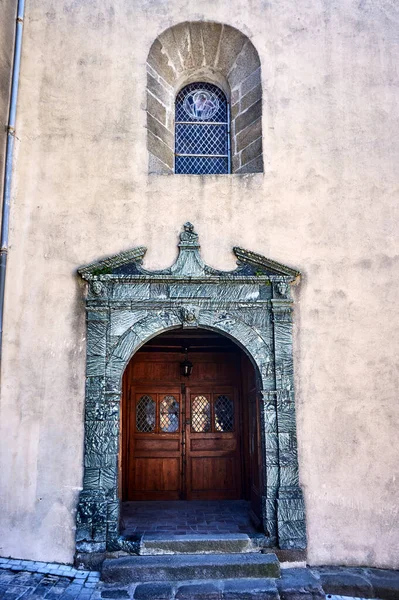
column 169, row 415
column 224, row 414
column 145, row 414
column 202, row 130
column 200, row 414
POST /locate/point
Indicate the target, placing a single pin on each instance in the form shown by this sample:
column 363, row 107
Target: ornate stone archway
column 126, row 306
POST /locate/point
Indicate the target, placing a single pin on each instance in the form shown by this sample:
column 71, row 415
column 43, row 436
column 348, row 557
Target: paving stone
column 345, row 581
column 248, row 589
column 299, row 584
column 154, row 591
column 115, row 593
column 385, row 583
column 200, row 591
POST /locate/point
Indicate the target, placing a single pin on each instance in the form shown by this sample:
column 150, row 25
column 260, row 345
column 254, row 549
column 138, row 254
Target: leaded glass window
column 202, row 130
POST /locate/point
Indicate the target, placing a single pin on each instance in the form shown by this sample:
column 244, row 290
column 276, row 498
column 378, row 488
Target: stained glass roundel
column 201, row 104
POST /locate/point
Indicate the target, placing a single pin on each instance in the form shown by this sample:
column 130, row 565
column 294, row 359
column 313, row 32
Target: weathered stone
column 249, row 116
column 115, row 594
column 248, row 135
column 385, row 583
column 250, row 82
column 189, row 567
column 250, row 98
column 248, row 589
column 255, row 166
column 197, row 49
column 156, row 109
column 159, row 130
column 247, row 61
column 199, row 591
column 251, row 152
column 152, row 544
column 160, row 150
column 181, row 33
column 157, row 167
column 170, row 49
column 231, row 44
column 159, row 61
column 347, row 582
column 299, row 584
column 211, row 33
column 154, row 591
column 163, row 94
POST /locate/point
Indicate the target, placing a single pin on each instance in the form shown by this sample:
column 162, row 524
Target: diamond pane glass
column 195, row 165
column 201, row 130
column 200, row 138
column 145, row 414
column 224, row 414
column 169, row 414
column 200, row 414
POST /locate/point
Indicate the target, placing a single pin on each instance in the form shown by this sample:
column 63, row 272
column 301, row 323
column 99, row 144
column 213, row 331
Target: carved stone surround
column 128, row 305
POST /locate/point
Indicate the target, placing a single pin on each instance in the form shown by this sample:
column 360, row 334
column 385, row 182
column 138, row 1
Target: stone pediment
column 189, row 265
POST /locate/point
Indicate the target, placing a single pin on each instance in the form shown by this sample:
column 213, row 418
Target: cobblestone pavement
column 34, row 580
column 182, row 517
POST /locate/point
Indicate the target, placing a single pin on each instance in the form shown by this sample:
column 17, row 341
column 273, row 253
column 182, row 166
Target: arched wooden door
column 183, row 435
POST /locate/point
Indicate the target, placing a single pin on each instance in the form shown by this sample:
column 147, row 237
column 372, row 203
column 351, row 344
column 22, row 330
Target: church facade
column 200, row 294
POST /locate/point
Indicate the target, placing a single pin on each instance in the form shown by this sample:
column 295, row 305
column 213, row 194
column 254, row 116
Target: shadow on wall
column 215, row 53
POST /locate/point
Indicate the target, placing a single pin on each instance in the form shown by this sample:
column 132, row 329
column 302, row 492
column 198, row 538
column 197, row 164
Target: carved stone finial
column 188, row 235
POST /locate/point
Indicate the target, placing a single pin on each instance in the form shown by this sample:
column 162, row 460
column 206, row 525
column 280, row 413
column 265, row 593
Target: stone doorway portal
column 127, row 306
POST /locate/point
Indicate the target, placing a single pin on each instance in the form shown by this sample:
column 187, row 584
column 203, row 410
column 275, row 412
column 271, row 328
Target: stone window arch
column 217, row 54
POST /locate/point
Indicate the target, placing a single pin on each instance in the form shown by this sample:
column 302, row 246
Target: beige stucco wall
column 326, row 204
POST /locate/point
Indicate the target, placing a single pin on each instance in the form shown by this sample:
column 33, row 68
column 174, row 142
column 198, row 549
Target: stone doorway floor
column 181, row 517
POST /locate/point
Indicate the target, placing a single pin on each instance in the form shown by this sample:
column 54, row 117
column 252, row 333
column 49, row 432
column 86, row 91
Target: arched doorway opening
column 191, row 438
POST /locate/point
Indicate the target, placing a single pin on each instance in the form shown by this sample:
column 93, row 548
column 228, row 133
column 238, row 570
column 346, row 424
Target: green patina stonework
column 128, row 305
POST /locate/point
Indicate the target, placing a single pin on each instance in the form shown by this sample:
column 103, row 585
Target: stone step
column 131, row 569
column 228, row 543
column 228, row 589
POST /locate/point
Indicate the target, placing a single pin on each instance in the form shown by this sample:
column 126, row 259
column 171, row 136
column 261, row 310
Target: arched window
column 195, row 145
column 202, row 130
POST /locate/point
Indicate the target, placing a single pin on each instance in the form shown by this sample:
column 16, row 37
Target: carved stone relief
column 126, row 306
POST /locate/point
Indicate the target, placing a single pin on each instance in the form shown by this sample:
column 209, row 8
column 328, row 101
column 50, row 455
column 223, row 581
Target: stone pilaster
column 290, row 506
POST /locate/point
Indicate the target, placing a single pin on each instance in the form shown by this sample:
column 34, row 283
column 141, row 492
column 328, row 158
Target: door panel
column 155, row 457
column 212, row 443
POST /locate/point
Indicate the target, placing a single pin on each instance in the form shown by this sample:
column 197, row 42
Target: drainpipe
column 8, row 163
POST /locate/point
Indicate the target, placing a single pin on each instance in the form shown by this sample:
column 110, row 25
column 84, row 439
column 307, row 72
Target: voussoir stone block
column 231, row 44
column 211, row 33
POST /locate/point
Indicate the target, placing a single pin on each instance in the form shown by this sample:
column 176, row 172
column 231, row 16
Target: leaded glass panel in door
column 169, row 415
column 145, row 414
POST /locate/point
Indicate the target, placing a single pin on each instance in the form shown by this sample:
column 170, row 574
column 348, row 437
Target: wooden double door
column 183, row 435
